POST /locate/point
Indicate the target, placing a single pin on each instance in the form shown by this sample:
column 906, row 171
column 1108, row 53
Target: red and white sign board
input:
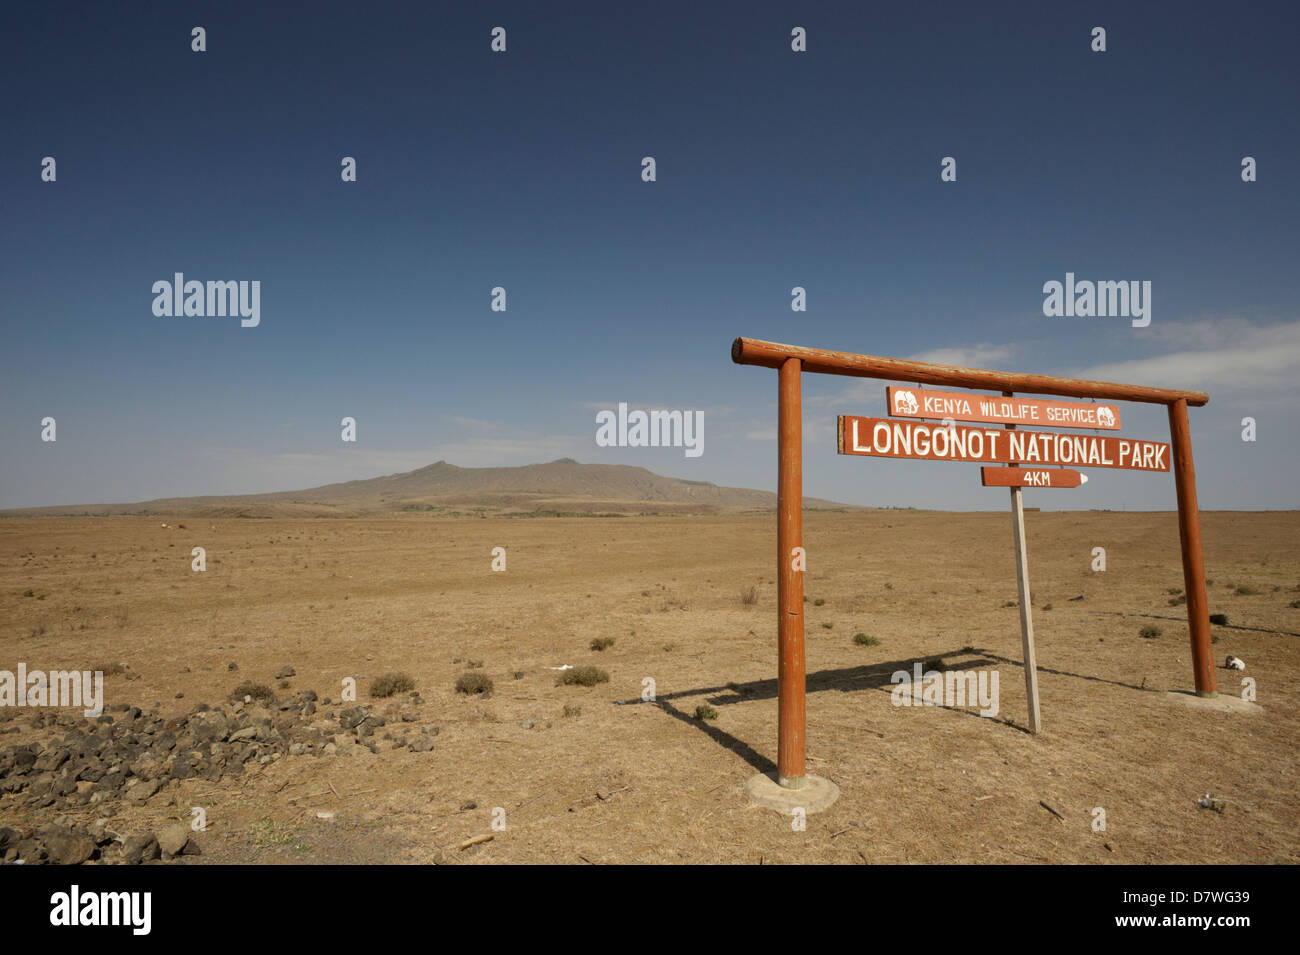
column 885, row 438
column 967, row 406
column 1031, row 477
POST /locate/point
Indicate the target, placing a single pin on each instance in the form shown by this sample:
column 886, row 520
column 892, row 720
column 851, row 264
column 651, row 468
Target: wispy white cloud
column 477, row 424
column 493, row 443
column 984, row 355
column 859, row 390
column 715, row 411
column 1232, row 358
column 495, row 452
column 1228, row 357
column 852, row 390
column 247, row 470
column 1210, row 332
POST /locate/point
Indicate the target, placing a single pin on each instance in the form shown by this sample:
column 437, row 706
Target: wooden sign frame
column 791, row 361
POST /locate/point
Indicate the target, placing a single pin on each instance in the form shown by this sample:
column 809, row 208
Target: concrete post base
column 1222, row 702
column 816, row 794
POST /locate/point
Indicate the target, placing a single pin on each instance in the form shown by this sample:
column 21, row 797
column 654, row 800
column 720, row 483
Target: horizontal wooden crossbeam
column 753, row 351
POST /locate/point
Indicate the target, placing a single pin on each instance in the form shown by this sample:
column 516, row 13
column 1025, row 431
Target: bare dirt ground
column 649, row 782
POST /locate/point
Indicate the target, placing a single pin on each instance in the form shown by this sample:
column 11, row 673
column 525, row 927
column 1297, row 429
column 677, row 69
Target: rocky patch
column 79, row 764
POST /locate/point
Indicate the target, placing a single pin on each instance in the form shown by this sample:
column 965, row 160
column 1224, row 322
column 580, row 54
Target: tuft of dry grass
column 391, row 683
column 258, row 691
column 602, row 643
column 749, row 597
column 582, row 676
column 705, row 712
column 473, row 683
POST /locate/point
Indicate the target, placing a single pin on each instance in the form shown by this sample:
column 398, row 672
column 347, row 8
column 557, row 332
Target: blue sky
column 522, row 169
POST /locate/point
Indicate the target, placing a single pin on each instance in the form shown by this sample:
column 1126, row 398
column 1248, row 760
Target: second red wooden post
column 789, row 505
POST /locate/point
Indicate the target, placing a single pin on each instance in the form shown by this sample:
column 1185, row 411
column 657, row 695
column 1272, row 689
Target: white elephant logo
column 905, row 403
column 1106, row 417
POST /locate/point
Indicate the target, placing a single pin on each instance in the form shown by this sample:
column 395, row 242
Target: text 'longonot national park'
column 881, row 437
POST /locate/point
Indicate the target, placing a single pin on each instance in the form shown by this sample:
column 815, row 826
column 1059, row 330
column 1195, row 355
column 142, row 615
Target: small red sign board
column 995, row 409
column 886, row 438
column 1031, row 477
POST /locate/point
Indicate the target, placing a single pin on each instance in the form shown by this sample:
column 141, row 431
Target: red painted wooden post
column 789, row 504
column 1189, row 535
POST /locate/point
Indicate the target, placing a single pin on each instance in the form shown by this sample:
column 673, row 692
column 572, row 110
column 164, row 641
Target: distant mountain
column 562, row 487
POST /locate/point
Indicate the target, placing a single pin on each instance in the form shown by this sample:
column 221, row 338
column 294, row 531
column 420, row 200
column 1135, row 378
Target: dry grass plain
column 362, row 597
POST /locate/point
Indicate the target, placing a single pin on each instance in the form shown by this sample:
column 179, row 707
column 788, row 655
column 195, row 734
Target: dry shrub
column 474, row 683
column 391, row 683
column 582, row 676
column 259, row 692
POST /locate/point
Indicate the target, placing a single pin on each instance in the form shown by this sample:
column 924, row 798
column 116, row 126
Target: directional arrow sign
column 885, row 438
column 1031, row 477
column 996, row 409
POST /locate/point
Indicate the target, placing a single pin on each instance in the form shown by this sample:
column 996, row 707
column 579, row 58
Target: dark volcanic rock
column 67, row 846
column 353, row 717
column 173, row 839
column 138, row 849
column 82, row 762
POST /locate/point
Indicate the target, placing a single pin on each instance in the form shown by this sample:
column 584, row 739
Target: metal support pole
column 1026, row 610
